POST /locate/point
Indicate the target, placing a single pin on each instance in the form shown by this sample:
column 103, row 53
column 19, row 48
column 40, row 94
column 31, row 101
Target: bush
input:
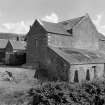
column 61, row 93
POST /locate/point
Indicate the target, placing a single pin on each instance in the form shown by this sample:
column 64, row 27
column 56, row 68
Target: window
column 76, row 76
column 87, row 75
column 95, row 74
column 70, row 31
column 36, row 43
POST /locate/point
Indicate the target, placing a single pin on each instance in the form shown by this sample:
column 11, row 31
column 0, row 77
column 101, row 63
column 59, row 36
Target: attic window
column 70, row 31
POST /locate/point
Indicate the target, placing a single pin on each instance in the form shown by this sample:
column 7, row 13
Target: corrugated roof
column 54, row 28
column 3, row 43
column 18, row 45
column 77, row 56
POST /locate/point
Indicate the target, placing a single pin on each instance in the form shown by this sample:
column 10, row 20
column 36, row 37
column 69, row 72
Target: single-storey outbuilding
column 15, row 52
column 83, row 64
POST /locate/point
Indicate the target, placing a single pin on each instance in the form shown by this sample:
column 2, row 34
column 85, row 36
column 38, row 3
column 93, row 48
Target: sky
column 16, row 16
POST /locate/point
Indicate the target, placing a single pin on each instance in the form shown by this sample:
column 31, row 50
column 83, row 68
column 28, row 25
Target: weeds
column 61, row 93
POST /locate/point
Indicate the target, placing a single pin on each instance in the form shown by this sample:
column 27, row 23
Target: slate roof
column 3, row 43
column 68, row 24
column 61, row 27
column 77, row 56
column 54, row 28
column 18, row 45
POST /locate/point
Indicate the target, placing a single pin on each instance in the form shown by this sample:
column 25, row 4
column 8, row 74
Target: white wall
column 82, row 69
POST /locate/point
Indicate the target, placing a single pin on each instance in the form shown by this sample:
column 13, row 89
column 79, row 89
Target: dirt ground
column 15, row 89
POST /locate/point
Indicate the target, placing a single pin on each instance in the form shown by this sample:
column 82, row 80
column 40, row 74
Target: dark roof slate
column 54, row 28
column 18, row 45
column 61, row 27
column 68, row 24
column 78, row 56
column 3, row 43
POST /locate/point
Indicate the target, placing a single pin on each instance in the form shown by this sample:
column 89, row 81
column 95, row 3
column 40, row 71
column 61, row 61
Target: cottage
column 68, row 50
column 15, row 52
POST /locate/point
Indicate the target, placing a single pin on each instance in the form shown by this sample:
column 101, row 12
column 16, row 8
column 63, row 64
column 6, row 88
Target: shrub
column 61, row 93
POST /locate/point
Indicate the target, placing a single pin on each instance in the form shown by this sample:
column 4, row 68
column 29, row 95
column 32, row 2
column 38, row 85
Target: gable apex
column 38, row 22
column 85, row 17
column 37, row 26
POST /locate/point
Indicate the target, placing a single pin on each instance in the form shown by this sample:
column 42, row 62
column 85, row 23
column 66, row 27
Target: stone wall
column 54, row 66
column 85, row 35
column 36, row 44
column 98, row 72
column 42, row 57
column 59, row 40
column 102, row 45
column 57, row 66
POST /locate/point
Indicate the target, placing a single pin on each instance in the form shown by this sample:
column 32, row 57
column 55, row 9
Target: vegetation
column 25, row 90
column 61, row 93
column 58, row 93
column 13, row 91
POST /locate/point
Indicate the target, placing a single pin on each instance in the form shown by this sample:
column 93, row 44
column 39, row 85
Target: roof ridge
column 71, row 19
column 78, row 21
column 84, row 17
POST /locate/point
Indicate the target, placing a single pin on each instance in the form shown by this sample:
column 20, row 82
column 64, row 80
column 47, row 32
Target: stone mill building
column 71, row 50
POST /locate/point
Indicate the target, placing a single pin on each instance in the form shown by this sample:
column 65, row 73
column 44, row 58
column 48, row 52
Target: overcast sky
column 17, row 15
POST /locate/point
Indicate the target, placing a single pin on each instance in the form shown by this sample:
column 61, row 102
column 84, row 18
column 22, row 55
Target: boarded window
column 76, row 76
column 88, row 75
